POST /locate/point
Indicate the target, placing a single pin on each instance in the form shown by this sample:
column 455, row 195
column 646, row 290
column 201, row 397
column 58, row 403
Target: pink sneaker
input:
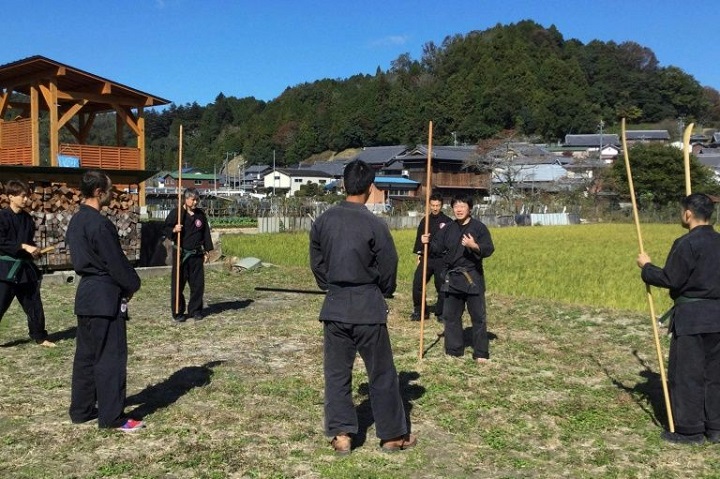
column 131, row 425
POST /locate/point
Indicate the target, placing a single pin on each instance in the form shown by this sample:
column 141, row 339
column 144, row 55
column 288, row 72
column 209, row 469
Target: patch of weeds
column 495, row 438
column 587, row 421
column 113, row 469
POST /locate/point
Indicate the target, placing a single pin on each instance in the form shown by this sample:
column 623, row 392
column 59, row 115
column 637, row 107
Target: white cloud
column 390, row 41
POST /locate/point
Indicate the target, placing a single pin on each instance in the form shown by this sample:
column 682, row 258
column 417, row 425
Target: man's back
column 353, row 256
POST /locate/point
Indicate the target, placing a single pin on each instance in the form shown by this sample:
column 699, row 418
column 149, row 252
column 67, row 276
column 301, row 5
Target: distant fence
column 554, row 219
column 276, row 224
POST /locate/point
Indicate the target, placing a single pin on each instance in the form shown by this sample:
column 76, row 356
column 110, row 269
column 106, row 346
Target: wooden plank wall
column 16, row 142
column 103, row 157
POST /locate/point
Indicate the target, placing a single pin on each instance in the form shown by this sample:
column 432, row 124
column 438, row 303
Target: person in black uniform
column 195, row 245
column 437, row 220
column 19, row 276
column 107, row 282
column 353, row 258
column 692, row 274
column 463, row 244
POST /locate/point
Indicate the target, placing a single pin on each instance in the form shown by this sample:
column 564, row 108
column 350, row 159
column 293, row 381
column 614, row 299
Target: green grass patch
column 591, row 265
column 233, row 222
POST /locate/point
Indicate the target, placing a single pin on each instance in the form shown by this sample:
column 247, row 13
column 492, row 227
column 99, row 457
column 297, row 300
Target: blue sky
column 186, row 51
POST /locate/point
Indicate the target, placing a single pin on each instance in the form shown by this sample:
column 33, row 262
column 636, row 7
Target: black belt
column 678, row 301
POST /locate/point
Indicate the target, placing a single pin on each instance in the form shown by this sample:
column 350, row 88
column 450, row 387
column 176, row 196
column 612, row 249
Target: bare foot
column 48, row 344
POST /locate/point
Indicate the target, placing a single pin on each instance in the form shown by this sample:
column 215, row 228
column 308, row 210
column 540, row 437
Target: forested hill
column 521, row 76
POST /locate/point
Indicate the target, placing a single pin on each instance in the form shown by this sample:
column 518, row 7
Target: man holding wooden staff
column 191, row 234
column 436, row 220
column 692, row 274
column 19, row 276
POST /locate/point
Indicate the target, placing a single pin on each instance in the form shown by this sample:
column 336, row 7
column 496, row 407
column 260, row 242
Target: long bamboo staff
column 179, row 233
column 428, row 187
column 686, row 157
column 653, row 320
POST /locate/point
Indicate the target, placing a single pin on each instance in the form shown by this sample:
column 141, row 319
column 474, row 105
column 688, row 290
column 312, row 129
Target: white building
column 291, row 180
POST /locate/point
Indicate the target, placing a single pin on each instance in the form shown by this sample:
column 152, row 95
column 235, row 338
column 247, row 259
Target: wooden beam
column 71, row 112
column 119, row 124
column 69, row 127
column 127, row 116
column 46, row 94
column 141, row 147
column 86, row 126
column 35, row 124
column 4, row 103
column 21, row 80
column 54, row 126
column 107, row 99
column 106, row 88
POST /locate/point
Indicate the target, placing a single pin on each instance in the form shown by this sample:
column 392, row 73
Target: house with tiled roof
column 254, row 177
column 188, row 179
column 647, row 136
column 710, row 157
column 333, row 168
column 380, row 156
column 454, row 169
column 592, row 140
column 528, row 167
column 583, row 146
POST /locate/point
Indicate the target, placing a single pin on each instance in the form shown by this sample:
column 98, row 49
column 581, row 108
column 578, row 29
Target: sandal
column 342, row 444
column 399, row 443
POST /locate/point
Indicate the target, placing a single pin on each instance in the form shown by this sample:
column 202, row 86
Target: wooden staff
column 179, row 233
column 428, row 179
column 653, row 319
column 686, row 157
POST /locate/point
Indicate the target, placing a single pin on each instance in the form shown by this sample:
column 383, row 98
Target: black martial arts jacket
column 16, row 264
column 692, row 270
column 195, row 234
column 436, row 223
column 447, row 242
column 106, row 275
column 353, row 258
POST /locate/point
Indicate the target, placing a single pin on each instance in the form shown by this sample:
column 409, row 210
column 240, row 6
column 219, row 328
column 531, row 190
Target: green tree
column 311, row 190
column 659, row 175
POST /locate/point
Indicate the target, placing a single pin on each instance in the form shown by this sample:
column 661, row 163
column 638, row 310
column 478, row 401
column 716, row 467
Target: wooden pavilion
column 72, row 99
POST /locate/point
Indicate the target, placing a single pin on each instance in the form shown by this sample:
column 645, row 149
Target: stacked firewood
column 52, row 208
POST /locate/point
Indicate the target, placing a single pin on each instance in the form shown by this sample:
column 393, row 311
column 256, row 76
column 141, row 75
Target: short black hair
column 191, row 193
column 462, row 198
column 701, row 205
column 93, row 180
column 16, row 188
column 358, row 176
column 436, row 196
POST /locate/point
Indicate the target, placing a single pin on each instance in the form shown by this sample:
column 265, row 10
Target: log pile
column 52, row 208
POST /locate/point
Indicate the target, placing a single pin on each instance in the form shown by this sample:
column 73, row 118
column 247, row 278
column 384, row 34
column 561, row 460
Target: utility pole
column 216, row 178
column 602, row 123
column 274, row 173
column 226, row 164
